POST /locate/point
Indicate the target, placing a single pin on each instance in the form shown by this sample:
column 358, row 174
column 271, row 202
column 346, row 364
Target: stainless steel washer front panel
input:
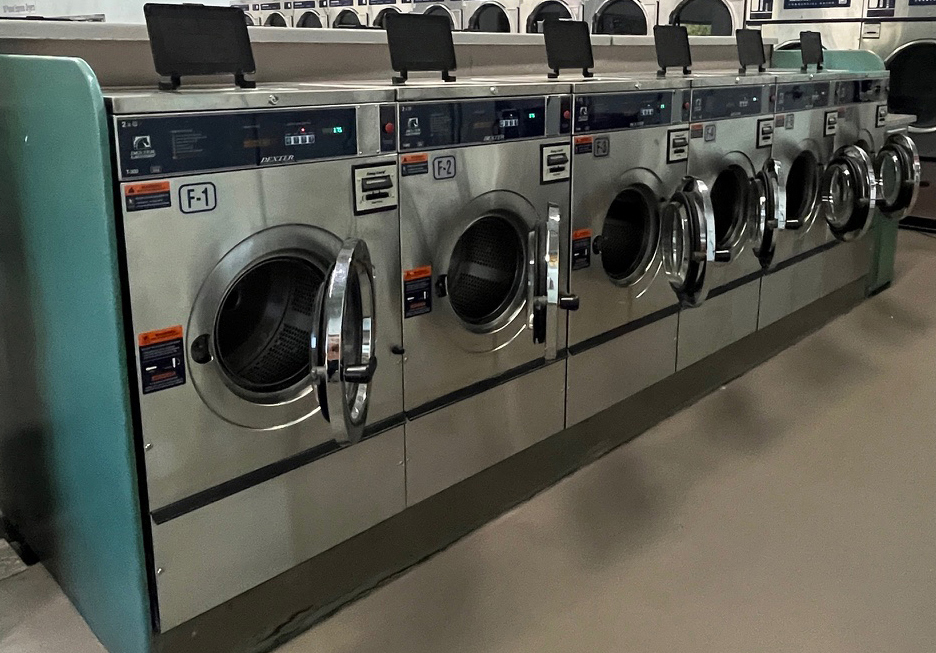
column 443, row 354
column 450, row 444
column 170, row 255
column 217, row 552
column 719, row 322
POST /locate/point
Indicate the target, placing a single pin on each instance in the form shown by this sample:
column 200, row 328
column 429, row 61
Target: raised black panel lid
column 198, row 40
column 811, row 49
column 568, row 45
column 672, row 48
column 750, row 49
column 420, row 42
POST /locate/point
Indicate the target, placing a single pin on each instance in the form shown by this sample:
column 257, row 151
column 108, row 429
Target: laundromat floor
column 793, row 510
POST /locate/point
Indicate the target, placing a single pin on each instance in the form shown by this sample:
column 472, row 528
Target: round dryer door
column 343, row 354
column 849, row 192
column 768, row 211
column 897, row 167
column 549, row 10
column 309, row 20
column 347, row 19
column 688, row 241
column 489, row 17
column 620, row 17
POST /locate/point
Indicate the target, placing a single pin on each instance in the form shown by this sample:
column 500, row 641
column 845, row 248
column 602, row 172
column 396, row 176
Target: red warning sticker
column 148, row 195
column 414, row 164
column 584, row 144
column 162, row 359
column 581, row 249
column 417, row 291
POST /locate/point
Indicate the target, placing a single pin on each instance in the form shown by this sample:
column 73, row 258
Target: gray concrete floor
column 791, row 511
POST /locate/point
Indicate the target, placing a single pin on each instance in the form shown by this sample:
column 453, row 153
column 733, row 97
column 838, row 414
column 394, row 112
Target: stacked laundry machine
column 839, row 21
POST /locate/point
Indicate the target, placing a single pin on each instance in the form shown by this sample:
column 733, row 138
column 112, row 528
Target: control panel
column 882, row 8
column 729, row 102
column 615, row 111
column 187, row 143
column 802, row 97
column 375, row 188
column 816, row 4
column 861, row 91
column 427, row 125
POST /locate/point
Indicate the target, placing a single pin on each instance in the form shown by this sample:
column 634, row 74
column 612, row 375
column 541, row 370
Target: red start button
column 566, row 114
column 686, row 106
column 389, row 128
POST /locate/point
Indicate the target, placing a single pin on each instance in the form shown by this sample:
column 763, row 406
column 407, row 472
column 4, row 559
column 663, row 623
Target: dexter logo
column 282, row 158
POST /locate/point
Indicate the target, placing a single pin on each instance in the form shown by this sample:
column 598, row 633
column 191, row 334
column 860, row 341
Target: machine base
column 720, row 321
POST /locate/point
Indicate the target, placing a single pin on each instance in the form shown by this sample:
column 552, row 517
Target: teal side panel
column 68, row 478
column 885, row 253
column 853, row 60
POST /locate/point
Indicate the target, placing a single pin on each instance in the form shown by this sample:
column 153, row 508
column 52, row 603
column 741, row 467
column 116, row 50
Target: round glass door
column 731, row 203
column 382, row 16
column 549, row 10
column 620, row 17
column 630, row 236
column 347, row 19
column 343, row 343
column 849, row 193
column 802, row 191
column 767, row 198
column 438, row 10
column 704, row 18
column 309, row 20
column 489, row 18
column 897, row 167
column 276, row 20
column 913, row 83
column 687, row 241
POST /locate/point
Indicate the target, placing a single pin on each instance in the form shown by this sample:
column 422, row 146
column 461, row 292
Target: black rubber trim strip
column 737, row 283
column 383, row 425
column 241, row 483
column 475, row 388
column 799, row 258
column 623, row 330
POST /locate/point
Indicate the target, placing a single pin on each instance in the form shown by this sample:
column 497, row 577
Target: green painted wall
column 67, row 462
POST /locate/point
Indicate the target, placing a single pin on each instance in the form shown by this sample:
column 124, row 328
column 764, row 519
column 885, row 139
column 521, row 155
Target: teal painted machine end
column 68, row 478
column 851, row 60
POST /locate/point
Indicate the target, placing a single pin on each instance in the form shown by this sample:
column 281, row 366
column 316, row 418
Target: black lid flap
column 811, row 48
column 568, row 45
column 672, row 47
column 750, row 49
column 199, row 40
column 420, row 42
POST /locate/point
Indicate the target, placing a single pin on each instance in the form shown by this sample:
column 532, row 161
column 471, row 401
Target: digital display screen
column 799, row 97
column 166, row 145
column 425, row 125
column 729, row 102
column 610, row 111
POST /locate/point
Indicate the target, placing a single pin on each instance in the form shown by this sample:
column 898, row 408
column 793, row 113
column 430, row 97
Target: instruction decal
column 414, row 164
column 162, row 359
column 584, row 144
column 148, row 195
column 417, row 291
column 581, row 249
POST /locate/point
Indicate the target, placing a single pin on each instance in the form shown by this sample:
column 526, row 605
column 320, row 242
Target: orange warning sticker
column 148, row 188
column 148, row 195
column 418, row 273
column 414, row 158
column 163, row 335
column 581, row 233
column 584, row 144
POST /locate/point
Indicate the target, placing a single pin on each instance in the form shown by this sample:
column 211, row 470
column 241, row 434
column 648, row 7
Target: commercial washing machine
column 704, row 17
column 620, row 16
column 275, row 14
column 448, row 8
column 492, row 15
column 631, row 150
column 261, row 262
column 347, row 14
column 485, row 238
column 733, row 175
column 309, row 15
column 839, row 21
column 250, row 14
column 534, row 12
column 378, row 10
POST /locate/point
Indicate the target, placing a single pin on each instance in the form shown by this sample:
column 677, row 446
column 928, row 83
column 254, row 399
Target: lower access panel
column 790, row 289
column 717, row 323
column 213, row 554
column 845, row 263
column 460, row 440
column 613, row 371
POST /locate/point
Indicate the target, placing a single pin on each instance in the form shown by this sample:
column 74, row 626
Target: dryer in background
column 492, row 15
column 378, row 10
column 450, row 9
column 730, row 170
column 704, row 17
column 259, row 329
column 839, row 21
column 620, row 16
column 308, row 15
column 346, row 14
column 251, row 16
column 484, row 245
column 533, row 13
column 275, row 14
column 631, row 149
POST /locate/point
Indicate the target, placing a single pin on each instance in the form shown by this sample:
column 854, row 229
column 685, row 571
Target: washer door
column 768, row 211
column 848, row 193
column 549, row 10
column 688, row 241
column 913, row 83
column 489, row 17
column 897, row 166
column 276, row 20
column 343, row 341
column 382, row 16
column 348, row 18
column 310, row 20
column 801, row 192
column 620, row 17
column 439, row 10
column 703, row 17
